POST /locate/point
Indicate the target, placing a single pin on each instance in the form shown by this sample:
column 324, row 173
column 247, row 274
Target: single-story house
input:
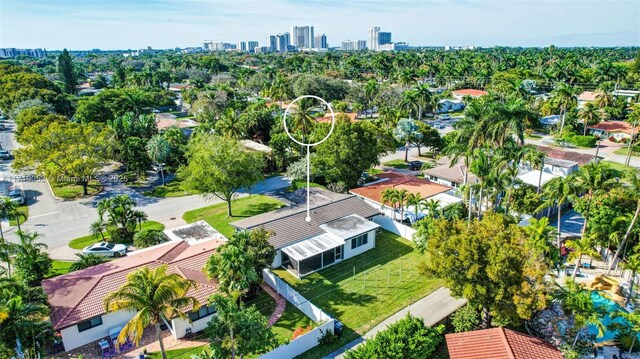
column 372, row 193
column 448, row 175
column 535, row 177
column 462, row 93
column 353, row 116
column 586, row 96
column 615, row 129
column 449, row 105
column 339, row 228
column 630, row 95
column 194, row 233
column 76, row 299
column 555, row 153
column 549, row 121
column 499, row 343
column 166, row 120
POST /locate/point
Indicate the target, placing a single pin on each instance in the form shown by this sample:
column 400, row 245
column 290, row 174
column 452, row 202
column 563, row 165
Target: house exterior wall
column 72, row 338
column 277, row 260
column 443, row 181
column 180, row 325
column 371, row 243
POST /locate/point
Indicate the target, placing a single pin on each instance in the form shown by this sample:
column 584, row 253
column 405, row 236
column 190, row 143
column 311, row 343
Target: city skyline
column 119, row 24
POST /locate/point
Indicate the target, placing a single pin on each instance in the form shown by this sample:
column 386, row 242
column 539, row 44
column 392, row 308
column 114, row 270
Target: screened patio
column 313, row 254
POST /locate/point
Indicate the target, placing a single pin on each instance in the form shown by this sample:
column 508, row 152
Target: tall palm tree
column 632, row 263
column 415, row 200
column 302, row 120
column 481, row 167
column 155, row 296
column 590, row 115
column 563, row 96
column 231, row 125
column 630, row 324
column 234, row 268
column 433, row 207
column 634, row 183
column 540, row 238
column 31, row 262
column 159, row 150
column 98, row 228
column 594, row 178
column 558, row 192
column 227, row 310
column 22, row 318
column 6, row 250
column 371, row 89
column 11, row 210
column 86, row 261
column 577, row 301
column 402, row 197
column 139, row 217
column 580, row 247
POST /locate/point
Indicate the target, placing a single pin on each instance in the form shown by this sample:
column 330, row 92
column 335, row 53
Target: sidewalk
column 432, row 309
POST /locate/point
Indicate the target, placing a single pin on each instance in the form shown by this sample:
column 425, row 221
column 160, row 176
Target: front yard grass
column 68, row 190
column 81, row 242
column 242, row 207
column 620, row 169
column 623, row 151
column 386, row 280
column 398, row 164
column 170, row 189
column 297, row 184
column 59, row 268
column 24, row 209
column 184, row 353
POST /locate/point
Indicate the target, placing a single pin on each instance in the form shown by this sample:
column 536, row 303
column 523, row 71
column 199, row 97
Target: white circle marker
column 286, row 129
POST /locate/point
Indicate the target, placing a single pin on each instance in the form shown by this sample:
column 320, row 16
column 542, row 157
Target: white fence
column 308, row 340
column 395, row 227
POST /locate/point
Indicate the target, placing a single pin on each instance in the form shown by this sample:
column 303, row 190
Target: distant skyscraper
column 302, row 36
column 320, row 41
column 242, row 46
column 273, row 45
column 282, row 42
column 354, row 45
column 384, row 38
column 252, row 45
column 373, row 41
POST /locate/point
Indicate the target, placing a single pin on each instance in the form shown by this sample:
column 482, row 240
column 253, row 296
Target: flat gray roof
column 349, row 226
column 289, row 225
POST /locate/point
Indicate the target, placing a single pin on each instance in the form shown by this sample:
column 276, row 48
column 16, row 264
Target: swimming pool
column 610, row 306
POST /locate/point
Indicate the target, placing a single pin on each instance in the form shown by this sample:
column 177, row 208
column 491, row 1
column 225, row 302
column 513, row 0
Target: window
column 110, row 245
column 88, row 324
column 360, row 240
column 202, row 313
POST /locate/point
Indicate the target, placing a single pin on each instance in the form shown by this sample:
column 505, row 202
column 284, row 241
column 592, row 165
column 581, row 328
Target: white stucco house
column 340, row 228
column 76, row 299
column 449, row 105
column 618, row 130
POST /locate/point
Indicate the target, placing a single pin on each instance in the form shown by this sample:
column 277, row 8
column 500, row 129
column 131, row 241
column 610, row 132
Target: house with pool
column 340, row 227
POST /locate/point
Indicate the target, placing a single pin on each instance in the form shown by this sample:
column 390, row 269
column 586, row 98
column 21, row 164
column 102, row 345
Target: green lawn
column 24, row 209
column 374, row 171
column 72, row 190
column 399, row 164
column 619, row 168
column 185, row 353
column 242, row 207
column 81, row 242
column 59, row 268
column 386, row 280
column 171, row 189
column 297, row 184
column 623, row 151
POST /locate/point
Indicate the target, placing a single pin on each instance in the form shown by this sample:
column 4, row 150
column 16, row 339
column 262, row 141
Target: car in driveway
column 415, row 165
column 444, row 117
column 5, row 155
column 106, row 249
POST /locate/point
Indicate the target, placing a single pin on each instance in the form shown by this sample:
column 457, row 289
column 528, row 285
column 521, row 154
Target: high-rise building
column 302, row 36
column 210, row 46
column 372, row 42
column 252, row 45
column 320, row 42
column 282, row 42
column 273, row 45
column 354, row 45
column 13, row 52
column 384, row 38
column 242, row 46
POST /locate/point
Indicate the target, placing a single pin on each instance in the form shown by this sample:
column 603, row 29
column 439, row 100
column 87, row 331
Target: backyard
column 242, row 207
column 363, row 291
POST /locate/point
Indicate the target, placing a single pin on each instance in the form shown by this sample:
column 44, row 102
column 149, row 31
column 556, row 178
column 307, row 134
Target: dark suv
column 415, row 165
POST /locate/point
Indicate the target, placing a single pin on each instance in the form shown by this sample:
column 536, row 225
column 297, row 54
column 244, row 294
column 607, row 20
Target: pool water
column 610, row 306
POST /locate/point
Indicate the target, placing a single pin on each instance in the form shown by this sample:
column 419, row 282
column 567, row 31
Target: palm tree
column 433, row 207
column 415, row 199
column 577, row 301
column 590, row 115
column 11, row 210
column 22, row 318
column 558, row 192
column 6, row 250
column 630, row 324
column 32, row 263
column 227, row 310
column 98, row 228
column 540, row 238
column 234, row 268
column 302, row 120
column 155, row 296
column 371, row 89
column 580, row 247
column 564, row 97
column 632, row 263
column 634, row 184
column 594, row 178
column 231, row 125
column 159, row 150
column 139, row 217
column 402, row 198
column 87, row 260
column 481, row 167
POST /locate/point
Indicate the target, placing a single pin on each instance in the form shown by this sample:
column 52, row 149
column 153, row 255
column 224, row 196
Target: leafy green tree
column 19, row 84
column 134, row 155
column 219, row 167
column 87, row 260
column 147, row 238
column 237, row 331
column 540, row 240
column 121, row 217
column 154, row 295
column 465, row 319
column 31, row 121
column 577, row 302
column 634, row 184
column 404, row 132
column 67, row 72
column 579, row 248
column 233, row 267
column 32, row 263
column 485, row 261
column 407, row 338
column 20, row 319
column 70, row 151
column 629, row 326
column 631, row 263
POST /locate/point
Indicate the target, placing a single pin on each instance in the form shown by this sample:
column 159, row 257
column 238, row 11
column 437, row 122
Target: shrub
column 581, row 141
column 465, row 319
column 299, row 331
column 338, row 187
column 147, row 238
column 327, row 337
column 427, row 166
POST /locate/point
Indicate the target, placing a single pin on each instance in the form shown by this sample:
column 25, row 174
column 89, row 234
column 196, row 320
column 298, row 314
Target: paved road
column 432, row 309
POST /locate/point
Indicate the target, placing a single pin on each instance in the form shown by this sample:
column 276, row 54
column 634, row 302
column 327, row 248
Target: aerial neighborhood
column 307, row 196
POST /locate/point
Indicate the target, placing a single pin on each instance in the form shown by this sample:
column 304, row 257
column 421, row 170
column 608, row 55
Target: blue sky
column 124, row 24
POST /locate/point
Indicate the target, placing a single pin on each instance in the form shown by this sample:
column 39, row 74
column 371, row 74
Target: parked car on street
column 17, row 195
column 106, row 249
column 415, row 165
column 5, row 155
column 444, row 117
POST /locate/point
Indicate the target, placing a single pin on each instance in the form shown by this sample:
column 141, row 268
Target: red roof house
column 459, row 94
column 499, row 343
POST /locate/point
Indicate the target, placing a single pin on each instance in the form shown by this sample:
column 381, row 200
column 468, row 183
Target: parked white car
column 106, row 249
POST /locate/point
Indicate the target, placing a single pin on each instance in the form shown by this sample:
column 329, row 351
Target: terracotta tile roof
column 78, row 296
column 353, row 116
column 616, row 126
column 499, row 343
column 555, row 153
column 166, row 120
column 398, row 180
column 469, row 92
column 587, row 96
